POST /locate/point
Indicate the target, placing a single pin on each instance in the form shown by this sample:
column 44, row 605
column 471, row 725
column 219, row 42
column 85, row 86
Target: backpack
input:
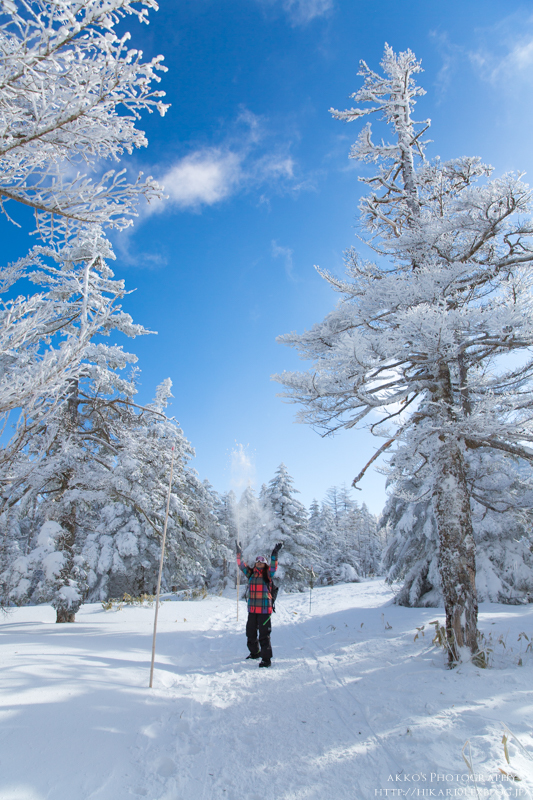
column 273, row 593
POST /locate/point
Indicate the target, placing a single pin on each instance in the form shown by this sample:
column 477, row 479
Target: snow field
column 353, row 707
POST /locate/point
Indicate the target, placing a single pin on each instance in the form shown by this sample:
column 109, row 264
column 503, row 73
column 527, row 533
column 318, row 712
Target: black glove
column 276, row 549
column 238, row 547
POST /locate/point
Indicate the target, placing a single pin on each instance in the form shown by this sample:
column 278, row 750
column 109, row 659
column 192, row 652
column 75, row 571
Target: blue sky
column 260, row 189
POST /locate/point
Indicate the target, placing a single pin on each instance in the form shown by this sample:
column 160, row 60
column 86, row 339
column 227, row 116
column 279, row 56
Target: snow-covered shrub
column 347, row 574
column 45, row 574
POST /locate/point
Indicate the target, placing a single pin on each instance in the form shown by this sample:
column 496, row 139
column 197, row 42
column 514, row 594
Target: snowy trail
column 371, row 745
column 351, row 702
column 291, row 723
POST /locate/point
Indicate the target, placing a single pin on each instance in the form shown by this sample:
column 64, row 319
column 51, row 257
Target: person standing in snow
column 259, row 603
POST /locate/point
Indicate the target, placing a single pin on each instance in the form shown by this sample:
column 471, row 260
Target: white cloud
column 303, row 11
column 272, row 167
column 517, row 61
column 210, row 175
column 501, row 54
column 286, row 254
column 521, row 56
column 507, row 52
column 202, row 178
column 452, row 55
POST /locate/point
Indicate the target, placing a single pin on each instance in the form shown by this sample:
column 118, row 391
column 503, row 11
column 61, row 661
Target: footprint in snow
column 166, row 767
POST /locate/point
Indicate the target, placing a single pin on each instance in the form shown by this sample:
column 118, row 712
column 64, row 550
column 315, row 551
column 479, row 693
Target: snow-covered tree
column 51, row 572
column 227, row 514
column 313, row 520
column 348, row 535
column 103, row 483
column 71, row 92
column 369, row 541
column 218, row 545
column 228, row 517
column 68, row 443
column 135, row 498
column 419, row 339
column 410, row 529
column 326, row 526
column 289, row 525
column 341, row 559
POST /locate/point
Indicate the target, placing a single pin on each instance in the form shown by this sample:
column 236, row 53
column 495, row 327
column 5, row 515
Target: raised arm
column 274, row 559
column 247, row 571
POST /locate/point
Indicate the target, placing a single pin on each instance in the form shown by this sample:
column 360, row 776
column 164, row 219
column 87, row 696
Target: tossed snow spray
column 257, row 528
column 241, row 470
column 161, row 569
column 254, row 530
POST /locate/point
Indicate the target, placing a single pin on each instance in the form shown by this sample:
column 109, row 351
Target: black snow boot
column 265, row 662
column 253, row 656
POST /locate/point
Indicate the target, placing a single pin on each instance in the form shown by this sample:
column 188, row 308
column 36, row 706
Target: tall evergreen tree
column 327, row 525
column 344, row 536
column 421, row 338
column 72, row 91
column 87, row 90
column 103, row 484
column 70, row 445
column 227, row 515
column 289, row 525
column 370, row 542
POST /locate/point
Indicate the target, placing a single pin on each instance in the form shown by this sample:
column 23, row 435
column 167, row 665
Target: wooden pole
column 161, row 569
column 238, row 587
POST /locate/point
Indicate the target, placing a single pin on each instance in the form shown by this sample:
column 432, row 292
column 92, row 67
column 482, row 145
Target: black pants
column 262, row 625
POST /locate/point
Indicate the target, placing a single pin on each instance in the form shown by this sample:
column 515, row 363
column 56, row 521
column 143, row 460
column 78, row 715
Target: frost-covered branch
column 377, row 454
column 70, row 92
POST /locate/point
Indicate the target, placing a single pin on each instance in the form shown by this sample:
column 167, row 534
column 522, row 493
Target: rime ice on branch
column 420, row 340
column 71, row 93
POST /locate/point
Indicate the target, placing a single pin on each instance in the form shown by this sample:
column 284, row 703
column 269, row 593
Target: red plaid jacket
column 259, row 597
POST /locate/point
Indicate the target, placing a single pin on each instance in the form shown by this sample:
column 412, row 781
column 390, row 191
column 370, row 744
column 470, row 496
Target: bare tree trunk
column 457, row 551
column 65, row 615
column 457, row 554
column 64, row 611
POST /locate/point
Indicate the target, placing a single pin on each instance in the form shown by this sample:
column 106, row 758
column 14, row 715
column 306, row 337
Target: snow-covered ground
column 352, row 708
